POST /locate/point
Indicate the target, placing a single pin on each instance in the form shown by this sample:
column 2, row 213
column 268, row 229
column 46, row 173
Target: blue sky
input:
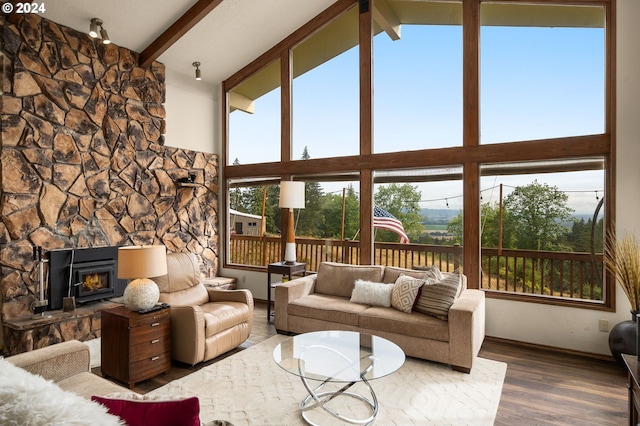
column 535, row 83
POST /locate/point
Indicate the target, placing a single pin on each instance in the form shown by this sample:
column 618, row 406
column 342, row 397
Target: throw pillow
column 436, row 297
column 371, row 293
column 432, row 272
column 404, row 293
column 463, row 284
column 29, row 399
column 153, row 412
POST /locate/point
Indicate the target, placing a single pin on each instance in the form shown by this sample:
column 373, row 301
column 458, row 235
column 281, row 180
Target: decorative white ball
column 141, row 293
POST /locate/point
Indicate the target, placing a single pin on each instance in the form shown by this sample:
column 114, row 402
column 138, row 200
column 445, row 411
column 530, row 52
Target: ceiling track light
column 105, row 36
column 197, row 66
column 93, row 27
column 93, row 30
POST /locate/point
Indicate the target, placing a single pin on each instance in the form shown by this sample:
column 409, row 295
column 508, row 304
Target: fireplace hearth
column 87, row 274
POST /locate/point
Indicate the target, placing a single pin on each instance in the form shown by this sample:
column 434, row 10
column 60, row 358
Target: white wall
column 569, row 328
column 191, row 118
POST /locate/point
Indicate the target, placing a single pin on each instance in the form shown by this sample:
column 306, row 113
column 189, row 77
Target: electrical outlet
column 243, row 279
column 603, row 325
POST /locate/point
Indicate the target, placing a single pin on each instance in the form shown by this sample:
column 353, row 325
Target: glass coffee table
column 340, row 360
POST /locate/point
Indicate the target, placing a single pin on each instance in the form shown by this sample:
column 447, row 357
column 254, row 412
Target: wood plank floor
column 541, row 387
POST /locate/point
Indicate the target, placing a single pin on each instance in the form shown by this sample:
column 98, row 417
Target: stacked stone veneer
column 83, row 161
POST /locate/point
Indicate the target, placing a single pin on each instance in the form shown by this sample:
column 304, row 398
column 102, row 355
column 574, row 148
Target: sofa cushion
column 404, row 293
column 183, row 272
column 391, row 320
column 327, row 308
column 436, row 297
column 338, row 279
column 222, row 316
column 87, row 384
column 191, row 296
column 391, row 273
column 372, row 293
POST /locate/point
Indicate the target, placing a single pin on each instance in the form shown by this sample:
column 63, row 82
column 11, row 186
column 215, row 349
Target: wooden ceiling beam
column 385, row 17
column 176, row 30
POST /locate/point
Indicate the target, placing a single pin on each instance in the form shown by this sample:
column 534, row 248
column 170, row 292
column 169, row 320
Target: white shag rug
column 28, row 399
column 248, row 388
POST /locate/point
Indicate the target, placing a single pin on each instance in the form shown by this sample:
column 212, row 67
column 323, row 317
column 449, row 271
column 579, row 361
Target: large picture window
column 254, row 118
column 325, row 91
column 418, row 82
column 429, row 111
column 541, row 77
column 542, row 228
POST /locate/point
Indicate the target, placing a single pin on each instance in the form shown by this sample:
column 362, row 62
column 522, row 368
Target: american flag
column 385, row 220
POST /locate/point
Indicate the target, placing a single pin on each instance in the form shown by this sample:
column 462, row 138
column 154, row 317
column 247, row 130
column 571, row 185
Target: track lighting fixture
column 93, row 27
column 93, row 30
column 197, row 65
column 105, row 36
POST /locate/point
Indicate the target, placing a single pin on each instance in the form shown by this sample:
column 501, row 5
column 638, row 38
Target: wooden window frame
column 470, row 155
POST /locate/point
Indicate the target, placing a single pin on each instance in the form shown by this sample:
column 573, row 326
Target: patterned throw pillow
column 436, row 297
column 404, row 293
column 432, row 272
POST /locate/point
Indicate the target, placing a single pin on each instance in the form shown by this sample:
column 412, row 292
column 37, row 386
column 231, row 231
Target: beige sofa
column 322, row 302
column 67, row 364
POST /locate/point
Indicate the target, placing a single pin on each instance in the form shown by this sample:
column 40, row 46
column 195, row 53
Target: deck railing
column 561, row 274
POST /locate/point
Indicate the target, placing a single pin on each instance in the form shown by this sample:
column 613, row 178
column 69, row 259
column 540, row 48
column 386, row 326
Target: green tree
column 579, row 238
column 332, row 214
column 272, row 209
column 236, row 195
column 309, row 220
column 402, row 201
column 536, row 213
column 489, row 227
column 455, row 228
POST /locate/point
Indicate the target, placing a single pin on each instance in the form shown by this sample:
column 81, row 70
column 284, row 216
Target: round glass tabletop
column 338, row 356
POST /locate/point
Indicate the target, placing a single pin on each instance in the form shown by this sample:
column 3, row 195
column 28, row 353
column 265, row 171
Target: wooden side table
column 297, row 268
column 631, row 361
column 135, row 347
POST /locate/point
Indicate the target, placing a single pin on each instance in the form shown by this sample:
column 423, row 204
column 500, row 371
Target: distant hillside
column 438, row 216
column 444, row 216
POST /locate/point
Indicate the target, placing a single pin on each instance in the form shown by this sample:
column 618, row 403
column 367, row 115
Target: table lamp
column 139, row 263
column 291, row 197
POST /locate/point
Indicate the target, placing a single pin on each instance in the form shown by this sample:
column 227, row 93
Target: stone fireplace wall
column 83, row 161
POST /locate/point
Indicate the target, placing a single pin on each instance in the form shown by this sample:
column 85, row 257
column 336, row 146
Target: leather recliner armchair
column 205, row 322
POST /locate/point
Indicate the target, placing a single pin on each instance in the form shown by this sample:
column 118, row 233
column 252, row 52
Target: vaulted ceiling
column 230, row 36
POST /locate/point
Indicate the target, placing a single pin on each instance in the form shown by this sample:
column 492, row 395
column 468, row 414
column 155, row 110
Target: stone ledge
column 31, row 332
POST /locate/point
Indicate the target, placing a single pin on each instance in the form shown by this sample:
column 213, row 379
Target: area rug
column 248, row 388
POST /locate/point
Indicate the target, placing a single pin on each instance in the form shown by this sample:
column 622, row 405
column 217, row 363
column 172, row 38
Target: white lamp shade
column 291, row 194
column 142, row 261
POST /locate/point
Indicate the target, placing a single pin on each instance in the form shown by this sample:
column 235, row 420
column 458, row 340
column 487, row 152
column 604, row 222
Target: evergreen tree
column 309, row 220
column 332, row 215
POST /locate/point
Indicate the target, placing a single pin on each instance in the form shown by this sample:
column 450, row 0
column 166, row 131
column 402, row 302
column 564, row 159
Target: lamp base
column 141, row 293
column 290, row 253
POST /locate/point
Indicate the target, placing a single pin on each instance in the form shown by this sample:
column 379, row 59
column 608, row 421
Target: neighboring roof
column 251, row 216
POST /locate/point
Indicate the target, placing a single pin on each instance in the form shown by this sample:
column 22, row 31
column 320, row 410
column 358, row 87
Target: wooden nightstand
column 135, row 346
